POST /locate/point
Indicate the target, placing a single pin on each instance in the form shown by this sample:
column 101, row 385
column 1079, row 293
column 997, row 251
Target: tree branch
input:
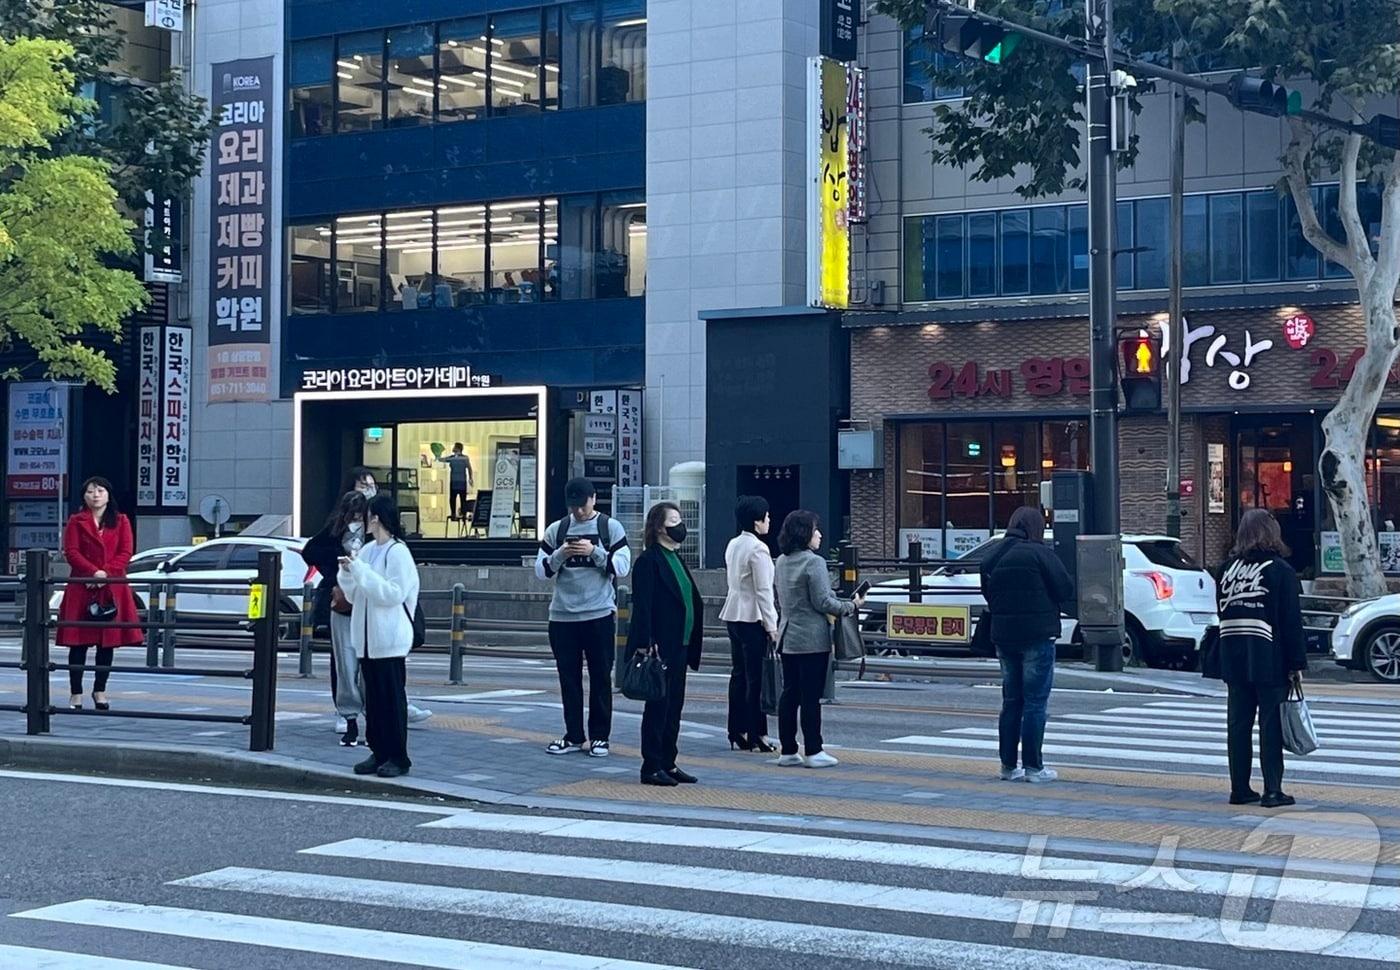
column 1346, row 203
column 1388, row 263
column 1295, row 168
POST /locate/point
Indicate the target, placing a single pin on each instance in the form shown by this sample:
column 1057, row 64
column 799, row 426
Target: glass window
column 1226, row 238
column 1123, row 259
column 1327, row 199
column 309, row 288
column 623, row 75
column 411, row 87
column 1195, row 241
column 462, row 70
column 949, row 231
column 982, row 254
column 967, row 479
column 1015, row 469
column 622, row 258
column 578, row 55
column 408, row 260
column 921, row 476
column 1166, row 552
column 1152, row 244
column 922, row 62
column 515, row 251
column 1016, row 252
column 359, row 91
column 550, row 58
column 1064, row 446
column 1300, row 260
column 461, row 254
column 918, row 259
column 309, row 74
column 357, row 272
column 1049, row 250
column 515, row 62
column 1079, row 248
column 573, row 256
column 1262, row 238
column 210, row 557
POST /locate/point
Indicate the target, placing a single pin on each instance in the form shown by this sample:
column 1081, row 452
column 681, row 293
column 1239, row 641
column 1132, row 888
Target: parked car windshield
column 1166, row 552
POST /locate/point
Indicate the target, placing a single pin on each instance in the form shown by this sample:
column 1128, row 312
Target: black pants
column 77, row 656
column 804, row 679
column 458, row 501
column 661, row 720
column 748, row 644
column 386, row 710
column 1244, row 701
column 572, row 644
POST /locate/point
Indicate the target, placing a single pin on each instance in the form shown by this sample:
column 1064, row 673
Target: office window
column 310, row 70
column 920, row 258
column 359, row 90
column 1079, row 248
column 1327, row 200
column 1195, row 241
column 1262, row 236
column 309, row 259
column 1016, row 252
column 1123, row 258
column 921, row 476
column 411, row 87
column 982, row 254
column 949, row 235
column 515, row 62
column 1152, row 244
column 1227, row 238
column 623, row 75
column 462, row 70
column 359, row 278
column 515, row 251
column 551, row 51
column 922, row 63
column 461, row 254
column 578, row 54
column 1049, row 250
column 1300, row 260
column 622, row 255
column 408, row 260
column 573, row 255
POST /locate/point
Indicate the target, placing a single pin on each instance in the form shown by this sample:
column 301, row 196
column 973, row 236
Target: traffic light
column 968, row 36
column 1384, row 130
column 1140, row 375
column 1256, row 94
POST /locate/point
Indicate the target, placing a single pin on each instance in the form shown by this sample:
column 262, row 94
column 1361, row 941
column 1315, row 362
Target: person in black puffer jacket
column 1025, row 584
column 1261, row 651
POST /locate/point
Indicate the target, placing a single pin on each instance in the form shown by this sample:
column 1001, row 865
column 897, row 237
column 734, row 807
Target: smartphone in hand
column 863, row 589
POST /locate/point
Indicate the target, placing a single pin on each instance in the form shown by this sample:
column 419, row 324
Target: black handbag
column 1210, row 655
column 644, row 677
column 419, row 623
column 771, row 689
column 846, row 639
column 102, row 612
column 982, row 645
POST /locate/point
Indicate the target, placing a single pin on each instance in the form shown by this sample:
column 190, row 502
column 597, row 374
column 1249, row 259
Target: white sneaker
column 340, row 726
column 563, row 747
column 417, row 715
column 821, row 760
column 1042, row 776
column 788, row 760
column 598, row 749
column 1012, row 774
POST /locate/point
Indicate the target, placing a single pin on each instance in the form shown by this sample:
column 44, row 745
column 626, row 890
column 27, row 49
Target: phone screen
column 863, row 588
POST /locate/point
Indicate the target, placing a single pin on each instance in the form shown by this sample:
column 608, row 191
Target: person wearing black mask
column 667, row 616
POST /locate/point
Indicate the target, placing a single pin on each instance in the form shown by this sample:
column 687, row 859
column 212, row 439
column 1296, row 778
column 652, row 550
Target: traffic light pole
column 1103, row 413
column 1175, row 320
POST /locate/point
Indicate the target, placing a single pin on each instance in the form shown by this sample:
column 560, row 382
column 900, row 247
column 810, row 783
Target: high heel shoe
column 740, row 744
column 763, row 747
column 100, row 705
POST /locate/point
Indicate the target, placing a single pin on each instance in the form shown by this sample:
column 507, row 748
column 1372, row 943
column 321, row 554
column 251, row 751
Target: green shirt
column 687, row 591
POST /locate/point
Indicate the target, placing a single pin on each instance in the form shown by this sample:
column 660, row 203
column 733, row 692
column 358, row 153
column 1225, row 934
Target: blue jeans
column 1027, row 673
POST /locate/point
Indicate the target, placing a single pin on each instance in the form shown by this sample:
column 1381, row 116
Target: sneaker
column 340, row 727
column 821, row 760
column 351, row 737
column 1277, row 799
column 563, row 746
column 417, row 715
column 788, row 760
column 598, row 749
column 1041, row 776
column 1012, row 774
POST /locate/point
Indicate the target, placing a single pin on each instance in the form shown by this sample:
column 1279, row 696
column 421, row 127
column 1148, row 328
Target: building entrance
column 1276, row 470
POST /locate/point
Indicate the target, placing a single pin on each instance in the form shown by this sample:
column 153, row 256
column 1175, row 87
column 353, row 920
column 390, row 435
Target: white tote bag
column 1299, row 735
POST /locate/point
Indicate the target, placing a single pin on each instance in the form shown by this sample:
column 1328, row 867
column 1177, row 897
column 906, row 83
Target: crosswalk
column 480, row 890
column 1184, row 734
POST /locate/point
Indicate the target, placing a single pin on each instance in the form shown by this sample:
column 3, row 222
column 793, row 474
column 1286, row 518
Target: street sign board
column 929, row 623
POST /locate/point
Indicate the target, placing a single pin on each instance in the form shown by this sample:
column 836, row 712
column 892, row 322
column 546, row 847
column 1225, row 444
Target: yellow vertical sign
column 833, row 188
column 257, row 601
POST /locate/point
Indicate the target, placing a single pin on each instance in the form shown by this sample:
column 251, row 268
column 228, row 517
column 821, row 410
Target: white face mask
column 356, row 527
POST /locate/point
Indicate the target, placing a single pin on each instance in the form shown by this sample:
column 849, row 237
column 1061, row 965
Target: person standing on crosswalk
column 584, row 553
column 1025, row 586
column 1261, row 652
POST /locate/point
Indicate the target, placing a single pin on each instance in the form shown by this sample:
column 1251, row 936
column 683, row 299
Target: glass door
column 1275, row 472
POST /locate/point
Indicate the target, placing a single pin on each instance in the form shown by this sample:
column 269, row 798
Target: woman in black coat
column 667, row 616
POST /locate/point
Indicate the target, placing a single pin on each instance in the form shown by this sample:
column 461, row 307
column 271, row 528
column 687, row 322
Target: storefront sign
column 166, row 14
column 629, row 438
column 240, row 241
column 857, row 209
column 1298, row 330
column 149, row 421
column 175, row 410
column 163, row 261
column 395, row 378
column 600, row 470
column 37, row 462
column 838, row 28
column 506, row 480
column 930, row 542
column 1388, row 544
column 600, row 424
column 1215, row 478
column 1187, row 488
column 1036, row 376
column 928, row 623
column 828, row 204
column 602, row 447
column 962, row 541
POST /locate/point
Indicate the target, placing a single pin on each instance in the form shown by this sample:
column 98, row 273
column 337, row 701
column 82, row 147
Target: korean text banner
column 828, row 207
column 240, row 236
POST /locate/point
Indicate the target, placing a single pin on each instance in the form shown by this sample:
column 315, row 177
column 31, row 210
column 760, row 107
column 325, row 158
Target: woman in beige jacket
column 752, row 619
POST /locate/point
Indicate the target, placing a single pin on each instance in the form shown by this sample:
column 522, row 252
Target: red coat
column 88, row 550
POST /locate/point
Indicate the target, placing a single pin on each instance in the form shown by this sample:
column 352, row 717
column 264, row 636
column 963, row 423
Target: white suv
column 1168, row 599
column 1367, row 637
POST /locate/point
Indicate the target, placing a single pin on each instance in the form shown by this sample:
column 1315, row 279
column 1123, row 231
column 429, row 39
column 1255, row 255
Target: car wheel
column 1382, row 655
column 1132, row 647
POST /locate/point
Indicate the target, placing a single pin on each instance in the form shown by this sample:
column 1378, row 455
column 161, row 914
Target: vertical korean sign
column 240, row 244
column 175, row 418
column 148, row 418
column 629, row 438
column 828, row 203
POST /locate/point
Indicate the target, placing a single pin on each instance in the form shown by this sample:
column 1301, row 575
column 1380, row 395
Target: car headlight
column 1353, row 609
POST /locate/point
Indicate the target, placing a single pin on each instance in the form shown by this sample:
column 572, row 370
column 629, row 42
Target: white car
column 1168, row 599
column 234, row 559
column 1367, row 637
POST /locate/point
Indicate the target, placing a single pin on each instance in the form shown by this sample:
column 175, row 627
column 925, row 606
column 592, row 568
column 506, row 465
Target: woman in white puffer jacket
column 381, row 583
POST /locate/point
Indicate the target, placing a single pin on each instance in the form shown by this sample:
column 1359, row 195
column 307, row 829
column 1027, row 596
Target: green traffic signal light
column 1003, row 49
column 1294, row 104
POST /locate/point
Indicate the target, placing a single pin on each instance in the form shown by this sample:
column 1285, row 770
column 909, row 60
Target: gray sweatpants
column 349, row 690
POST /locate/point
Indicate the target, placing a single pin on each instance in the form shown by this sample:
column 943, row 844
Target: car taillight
column 1162, row 586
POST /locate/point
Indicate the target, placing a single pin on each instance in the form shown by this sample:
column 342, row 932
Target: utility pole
column 1175, row 320
column 1103, row 414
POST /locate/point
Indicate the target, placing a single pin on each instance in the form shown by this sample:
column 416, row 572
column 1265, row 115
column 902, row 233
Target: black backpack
column 604, row 524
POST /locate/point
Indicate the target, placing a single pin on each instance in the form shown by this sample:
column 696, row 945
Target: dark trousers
column 386, row 710
column 1245, row 700
column 1027, row 674
column 458, row 501
column 748, row 644
column 661, row 720
column 804, row 679
column 77, row 656
column 572, row 645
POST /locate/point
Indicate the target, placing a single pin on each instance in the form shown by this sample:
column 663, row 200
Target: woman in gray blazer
column 805, row 599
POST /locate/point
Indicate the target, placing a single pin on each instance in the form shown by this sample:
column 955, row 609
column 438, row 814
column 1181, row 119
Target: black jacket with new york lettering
column 1261, row 623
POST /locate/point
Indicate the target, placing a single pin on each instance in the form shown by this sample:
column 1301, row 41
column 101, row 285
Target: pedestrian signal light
column 1139, row 376
column 1256, row 94
column 1139, row 356
column 1384, row 130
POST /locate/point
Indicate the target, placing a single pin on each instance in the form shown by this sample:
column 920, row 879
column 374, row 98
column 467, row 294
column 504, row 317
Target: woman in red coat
column 97, row 543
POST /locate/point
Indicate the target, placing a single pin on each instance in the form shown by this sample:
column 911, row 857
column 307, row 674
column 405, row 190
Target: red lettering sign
column 1040, row 377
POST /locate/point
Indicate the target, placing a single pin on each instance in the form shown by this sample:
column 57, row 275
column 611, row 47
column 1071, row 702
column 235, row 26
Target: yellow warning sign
column 257, row 601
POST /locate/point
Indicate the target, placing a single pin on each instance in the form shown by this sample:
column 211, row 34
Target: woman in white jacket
column 381, row 583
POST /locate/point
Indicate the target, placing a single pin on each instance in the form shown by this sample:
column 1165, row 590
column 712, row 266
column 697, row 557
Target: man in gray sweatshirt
column 583, row 560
